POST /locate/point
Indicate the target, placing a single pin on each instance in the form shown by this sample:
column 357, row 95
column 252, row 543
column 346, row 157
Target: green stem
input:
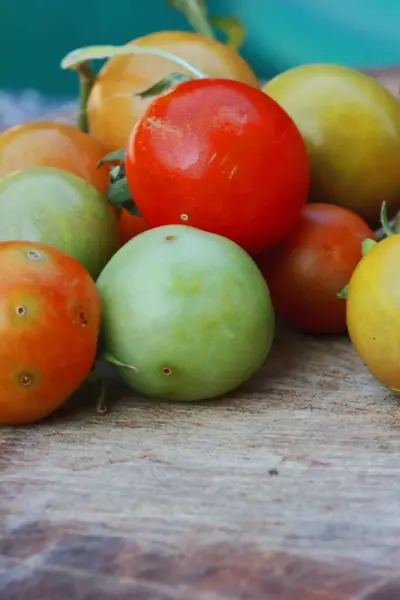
column 196, row 14
column 385, row 222
column 101, row 404
column 73, row 60
column 87, row 77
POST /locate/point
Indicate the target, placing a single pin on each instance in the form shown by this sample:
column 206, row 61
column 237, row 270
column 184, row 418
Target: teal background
column 35, row 35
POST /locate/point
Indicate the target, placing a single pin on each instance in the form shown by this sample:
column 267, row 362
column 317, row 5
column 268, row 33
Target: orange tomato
column 51, row 144
column 130, row 226
column 49, row 327
column 113, row 108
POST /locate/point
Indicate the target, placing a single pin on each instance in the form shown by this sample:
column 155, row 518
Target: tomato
column 221, row 156
column 52, row 145
column 187, row 311
column 49, row 326
column 373, row 318
column 315, row 262
column 351, row 125
column 114, row 108
column 130, row 226
column 60, row 209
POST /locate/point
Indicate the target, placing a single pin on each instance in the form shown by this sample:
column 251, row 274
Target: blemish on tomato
column 21, row 310
column 184, row 217
column 83, row 319
column 34, row 255
column 25, row 379
column 170, row 238
column 167, row 371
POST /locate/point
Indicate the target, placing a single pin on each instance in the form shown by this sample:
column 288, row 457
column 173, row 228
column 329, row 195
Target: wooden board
column 289, row 489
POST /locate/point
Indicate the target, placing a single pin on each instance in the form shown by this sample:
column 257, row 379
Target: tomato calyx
column 106, row 356
column 368, row 244
column 196, row 14
column 118, row 193
column 164, row 84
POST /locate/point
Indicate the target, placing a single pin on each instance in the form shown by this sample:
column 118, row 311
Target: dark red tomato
column 49, row 327
column 315, row 262
column 221, row 156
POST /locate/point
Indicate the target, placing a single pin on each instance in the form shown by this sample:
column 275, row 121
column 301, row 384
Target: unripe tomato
column 49, row 326
column 312, row 265
column 58, row 208
column 187, row 312
column 113, row 107
column 221, row 156
column 373, row 316
column 49, row 144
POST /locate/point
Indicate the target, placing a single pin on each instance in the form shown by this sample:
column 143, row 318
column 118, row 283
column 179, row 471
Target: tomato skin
column 114, row 106
column 51, row 144
column 49, row 326
column 220, row 156
column 373, row 318
column 130, row 226
column 315, row 262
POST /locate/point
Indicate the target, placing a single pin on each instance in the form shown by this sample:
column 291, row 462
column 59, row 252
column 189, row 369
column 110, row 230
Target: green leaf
column 164, row 84
column 118, row 194
column 112, row 157
column 343, row 293
column 114, row 361
column 233, row 28
column 367, row 245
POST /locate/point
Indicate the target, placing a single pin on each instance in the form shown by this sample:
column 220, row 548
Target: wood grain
column 289, row 489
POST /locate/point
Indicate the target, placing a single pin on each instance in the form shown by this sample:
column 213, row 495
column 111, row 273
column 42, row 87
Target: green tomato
column 58, row 208
column 188, row 312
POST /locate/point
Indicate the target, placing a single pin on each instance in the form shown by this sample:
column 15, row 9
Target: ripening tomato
column 130, row 226
column 49, row 327
column 114, row 108
column 220, row 156
column 373, row 317
column 307, row 270
column 51, row 144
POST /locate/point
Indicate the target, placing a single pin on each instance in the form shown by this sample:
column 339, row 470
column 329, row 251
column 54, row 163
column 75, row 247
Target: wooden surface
column 287, row 490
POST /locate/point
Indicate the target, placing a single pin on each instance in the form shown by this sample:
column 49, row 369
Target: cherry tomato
column 307, row 270
column 220, row 156
column 49, row 326
column 130, row 226
column 114, row 108
column 51, row 144
column 373, row 318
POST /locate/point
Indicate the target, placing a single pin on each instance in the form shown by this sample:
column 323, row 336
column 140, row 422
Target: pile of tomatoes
column 192, row 205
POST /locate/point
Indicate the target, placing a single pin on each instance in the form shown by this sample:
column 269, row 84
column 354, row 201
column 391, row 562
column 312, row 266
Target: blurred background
column 280, row 34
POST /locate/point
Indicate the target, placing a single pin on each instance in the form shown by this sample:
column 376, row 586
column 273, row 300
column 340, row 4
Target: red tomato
column 221, row 156
column 130, row 226
column 315, row 262
column 49, row 326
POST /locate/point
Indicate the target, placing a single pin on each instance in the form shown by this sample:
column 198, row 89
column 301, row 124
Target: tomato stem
column 87, row 77
column 96, row 380
column 74, row 59
column 196, row 14
column 385, row 222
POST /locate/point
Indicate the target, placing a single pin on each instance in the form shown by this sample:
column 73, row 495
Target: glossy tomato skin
column 48, row 144
column 220, row 156
column 114, row 106
column 49, row 326
column 373, row 318
column 315, row 261
column 130, row 226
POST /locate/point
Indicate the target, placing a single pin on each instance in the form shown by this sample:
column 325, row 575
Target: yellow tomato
column 373, row 311
column 351, row 126
column 113, row 108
